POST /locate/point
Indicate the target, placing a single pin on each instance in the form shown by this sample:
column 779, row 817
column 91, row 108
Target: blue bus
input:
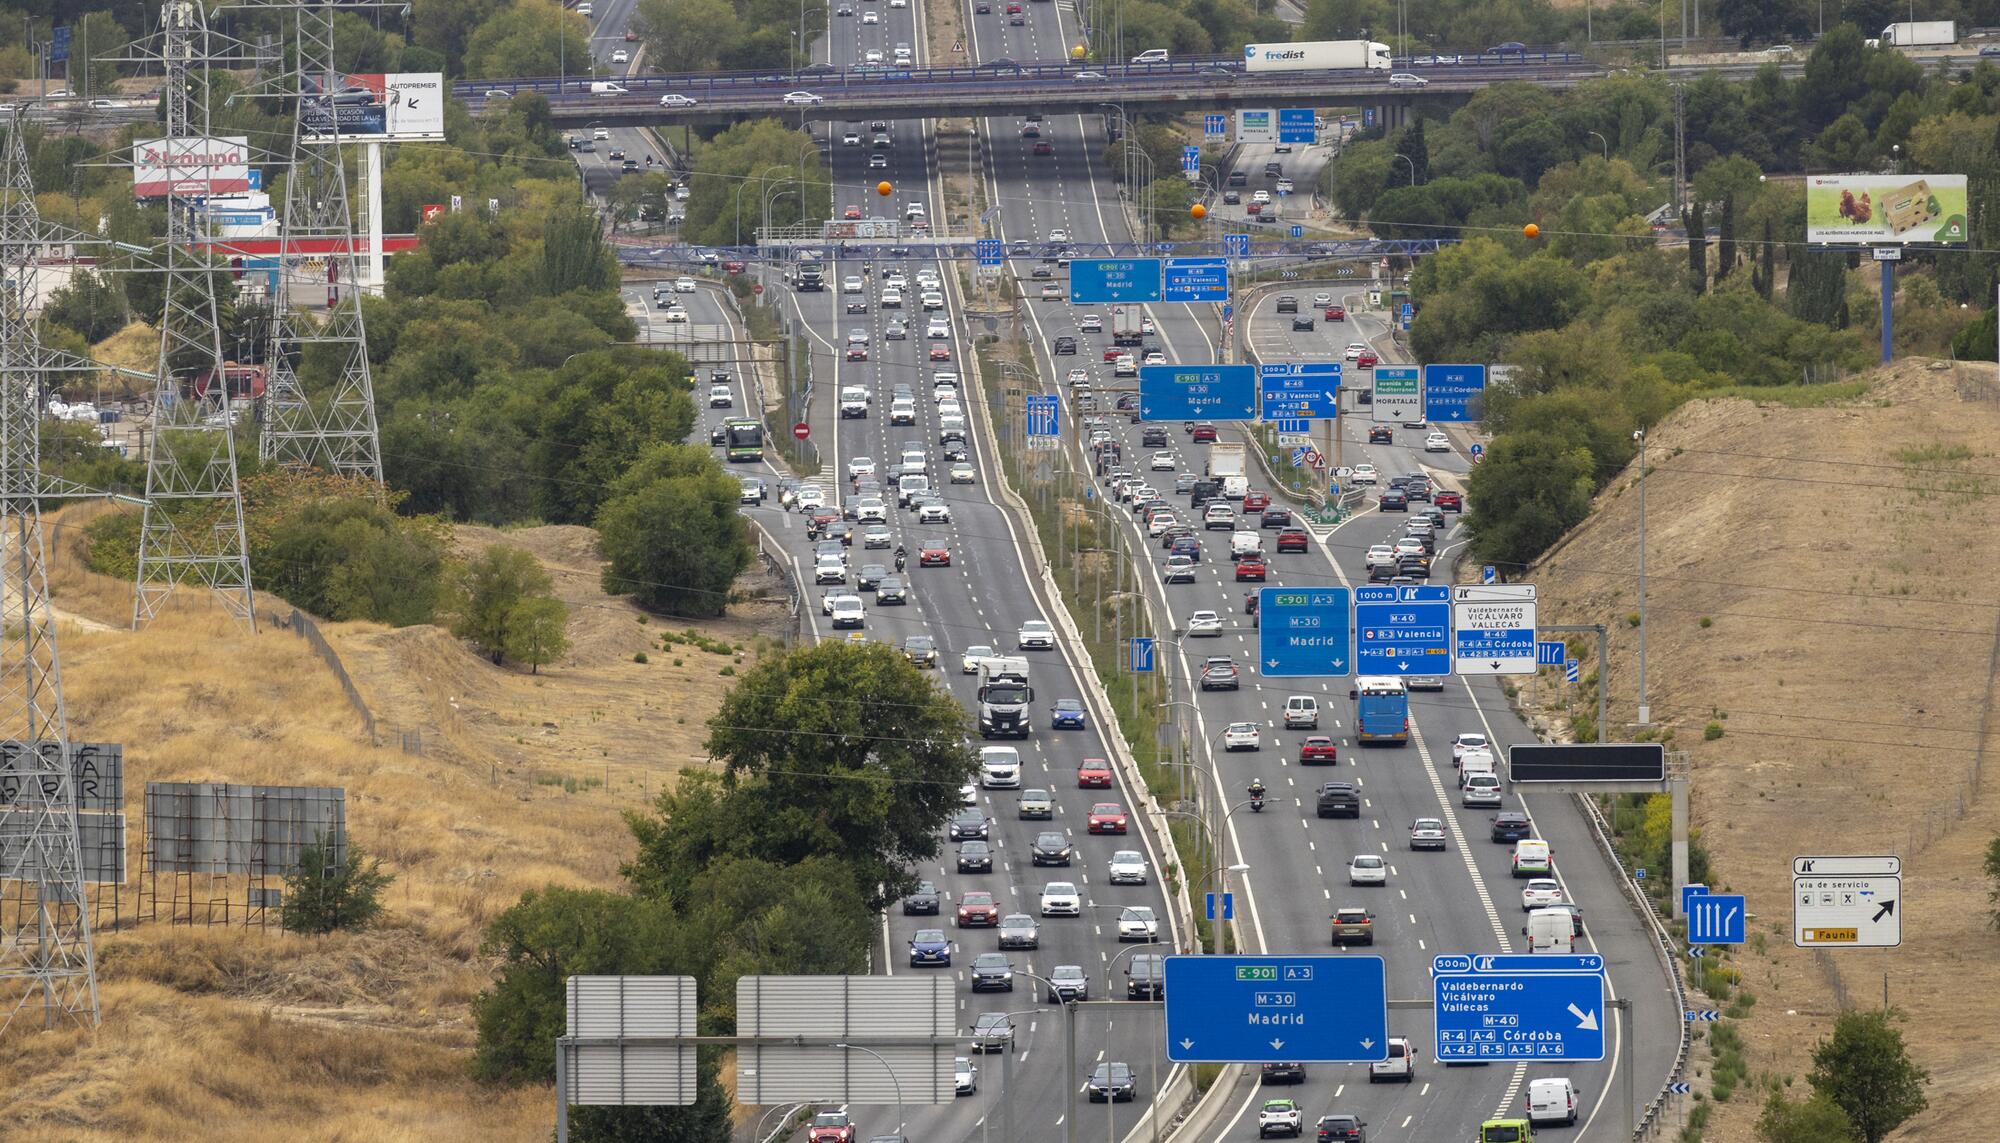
column 1381, row 709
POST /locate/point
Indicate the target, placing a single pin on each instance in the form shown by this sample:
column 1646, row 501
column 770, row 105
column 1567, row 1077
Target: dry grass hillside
column 225, row 1034
column 1819, row 589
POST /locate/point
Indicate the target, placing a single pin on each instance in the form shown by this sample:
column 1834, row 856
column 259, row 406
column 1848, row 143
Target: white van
column 912, row 483
column 1246, row 545
column 1474, row 762
column 1531, row 858
column 1235, row 487
column 1000, row 767
column 854, row 401
column 902, row 411
column 1151, row 56
column 1551, row 1101
column 1550, row 931
column 1401, row 1063
column 1301, row 711
column 950, row 424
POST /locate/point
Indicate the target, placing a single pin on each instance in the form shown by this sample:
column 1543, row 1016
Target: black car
column 1111, row 1081
column 1276, row 518
column 922, row 901
column 1418, row 490
column 1395, row 500
column 975, row 857
column 719, row 436
column 1341, row 1129
column 1284, row 1073
column 956, row 450
column 1050, row 848
column 1512, row 825
column 969, row 823
column 1302, row 323
column 1381, row 434
column 1146, row 977
column 1065, row 345
column 1287, row 304
column 1416, row 567
column 1231, row 197
column 1338, row 799
column 992, row 971
column 1153, row 437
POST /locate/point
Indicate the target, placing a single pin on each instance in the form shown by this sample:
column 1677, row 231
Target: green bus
column 745, row 441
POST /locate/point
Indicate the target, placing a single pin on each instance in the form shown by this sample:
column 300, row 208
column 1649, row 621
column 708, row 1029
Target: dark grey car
column 969, row 823
column 992, row 972
column 975, row 857
column 1020, row 931
column 1051, row 848
column 924, row 900
column 1112, row 1081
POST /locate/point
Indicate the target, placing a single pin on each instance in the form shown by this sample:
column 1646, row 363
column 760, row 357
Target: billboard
column 193, row 167
column 397, row 107
column 1861, row 210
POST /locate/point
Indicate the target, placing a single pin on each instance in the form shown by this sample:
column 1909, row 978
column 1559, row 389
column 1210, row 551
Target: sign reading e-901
column 1197, row 392
column 1305, row 633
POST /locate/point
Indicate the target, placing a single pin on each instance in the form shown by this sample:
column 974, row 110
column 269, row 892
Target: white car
column 1036, row 634
column 968, row 795
column 1364, row 474
column 860, row 466
column 1279, row 1115
column 1157, row 526
column 850, row 285
column 877, row 536
column 1465, row 742
column 963, row 473
column 871, row 17
column 872, row 56
column 721, row 397
column 676, row 100
column 1427, row 833
column 968, row 664
column 621, row 56
column 1242, row 736
column 803, row 99
column 1205, row 624
column 1380, row 554
column 871, row 510
column 830, row 569
column 1262, row 196
column 965, row 1076
column 811, row 496
column 1058, row 235
column 1137, row 923
column 1408, row 546
column 1060, row 899
column 675, row 316
column 1128, row 867
column 1367, row 869
column 1541, row 893
column 1319, row 300
column 937, row 331
column 1437, row 442
column 1354, row 350
column 826, row 603
column 600, row 133
column 892, row 298
column 1405, row 79
column 1161, row 462
column 847, row 612
column 1079, row 377
column 899, row 3
column 934, row 513
column 683, row 285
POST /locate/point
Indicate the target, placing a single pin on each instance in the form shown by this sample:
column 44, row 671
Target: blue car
column 929, row 946
column 1067, row 714
column 1186, row 546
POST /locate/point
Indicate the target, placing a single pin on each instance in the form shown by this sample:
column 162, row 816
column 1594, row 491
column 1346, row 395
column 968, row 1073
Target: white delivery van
column 1400, row 1064
column 1235, row 487
column 912, row 483
column 1301, row 712
column 1474, row 762
column 1551, row 1101
column 854, row 401
column 1246, row 545
column 1550, row 931
column 1531, row 858
column 999, row 767
column 950, row 425
column 608, row 89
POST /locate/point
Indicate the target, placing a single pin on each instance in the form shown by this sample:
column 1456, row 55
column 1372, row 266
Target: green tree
column 1412, row 147
column 1865, row 1068
column 686, row 35
column 1816, row 1120
column 1764, row 277
column 1725, row 238
column 671, row 533
column 1817, row 287
column 574, row 253
column 535, row 632
column 1992, row 863
column 1530, row 489
column 330, row 546
column 491, row 589
column 597, row 415
column 527, row 37
column 332, row 890
column 92, row 304
column 1697, row 234
column 846, row 748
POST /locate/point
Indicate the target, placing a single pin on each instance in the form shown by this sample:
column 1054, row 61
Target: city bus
column 745, row 441
column 1381, row 709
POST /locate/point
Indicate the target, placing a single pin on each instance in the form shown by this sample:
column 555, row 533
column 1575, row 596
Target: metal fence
column 409, row 740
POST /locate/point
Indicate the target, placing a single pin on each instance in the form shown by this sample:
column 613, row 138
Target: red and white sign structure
column 196, row 167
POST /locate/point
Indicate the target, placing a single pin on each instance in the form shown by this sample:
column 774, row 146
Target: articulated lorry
column 1227, row 462
column 1004, row 697
column 1316, row 55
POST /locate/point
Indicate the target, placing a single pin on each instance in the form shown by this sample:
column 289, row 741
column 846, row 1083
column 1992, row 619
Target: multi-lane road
column 1462, row 900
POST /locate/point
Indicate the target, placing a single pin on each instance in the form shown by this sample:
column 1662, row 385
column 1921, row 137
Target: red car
column 733, row 266
column 852, row 211
column 1043, row 147
column 1317, row 749
column 1256, row 501
column 1448, row 502
column 1107, row 817
column 1249, row 569
column 1365, row 361
column 940, row 353
column 857, row 353
column 933, row 556
column 1292, row 540
column 1113, row 354
column 631, row 37
column 1204, row 433
column 830, row 1127
column 1254, row 208
column 1094, row 774
column 977, row 909
column 1336, row 313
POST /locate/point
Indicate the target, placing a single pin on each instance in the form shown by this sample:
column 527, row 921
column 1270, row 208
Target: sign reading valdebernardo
column 1864, row 210
column 399, row 107
column 193, row 167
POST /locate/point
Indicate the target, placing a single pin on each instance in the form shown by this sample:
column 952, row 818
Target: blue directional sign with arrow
column 1402, row 629
column 1197, row 392
column 1305, row 632
column 1195, row 279
column 1544, row 1007
column 1276, row 1009
column 1115, row 280
column 1715, row 918
column 1296, row 389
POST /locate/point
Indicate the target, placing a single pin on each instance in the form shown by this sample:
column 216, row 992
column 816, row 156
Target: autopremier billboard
column 193, row 167
column 399, row 107
column 1866, row 210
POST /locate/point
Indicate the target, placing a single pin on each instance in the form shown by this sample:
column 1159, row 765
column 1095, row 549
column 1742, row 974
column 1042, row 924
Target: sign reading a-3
column 1094, row 280
column 397, row 107
column 1197, row 392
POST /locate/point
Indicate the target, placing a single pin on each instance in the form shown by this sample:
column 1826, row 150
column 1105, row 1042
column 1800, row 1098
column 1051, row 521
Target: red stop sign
column 802, row 430
column 757, row 287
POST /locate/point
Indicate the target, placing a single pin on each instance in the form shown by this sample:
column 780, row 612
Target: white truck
column 1004, row 697
column 1920, row 34
column 1126, row 327
column 854, row 401
column 1227, row 462
column 1317, row 55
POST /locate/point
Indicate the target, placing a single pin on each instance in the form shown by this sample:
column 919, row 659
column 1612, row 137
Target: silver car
column 1020, row 931
column 966, row 1075
column 1128, row 867
column 992, row 1032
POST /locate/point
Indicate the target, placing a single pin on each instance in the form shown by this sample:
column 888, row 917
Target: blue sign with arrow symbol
column 1402, row 629
column 1304, row 632
column 1519, row 1007
column 1276, row 1009
column 1197, row 392
column 1295, row 389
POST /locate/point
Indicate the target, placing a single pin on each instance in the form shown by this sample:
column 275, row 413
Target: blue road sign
column 1300, row 389
column 1276, row 1009
column 1191, row 160
column 1197, row 392
column 1228, row 310
column 1295, row 125
column 59, row 45
column 1236, row 245
column 1680, row 1088
column 1715, row 919
column 1305, row 632
column 1044, row 416
column 1550, row 652
column 1367, row 117
column 1705, row 1015
column 1298, row 231
column 1489, row 574
column 1691, row 890
column 1142, row 654
column 1495, row 1008
column 1299, row 456
column 1115, row 280
column 1228, row 906
column 1215, row 126
column 991, row 251
column 1639, row 874
column 1402, row 629
column 1195, row 279
column 1476, row 449
column 1296, row 426
column 1573, row 672
column 1452, row 391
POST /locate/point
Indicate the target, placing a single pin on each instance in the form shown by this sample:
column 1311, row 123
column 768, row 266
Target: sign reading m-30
column 1276, row 1009
column 1305, row 632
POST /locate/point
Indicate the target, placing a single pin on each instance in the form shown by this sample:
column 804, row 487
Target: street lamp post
column 893, row 1078
column 1607, row 143
column 1645, row 709
column 1409, row 162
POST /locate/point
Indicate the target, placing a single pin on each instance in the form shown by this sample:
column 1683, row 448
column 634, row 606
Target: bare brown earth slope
column 1821, row 591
